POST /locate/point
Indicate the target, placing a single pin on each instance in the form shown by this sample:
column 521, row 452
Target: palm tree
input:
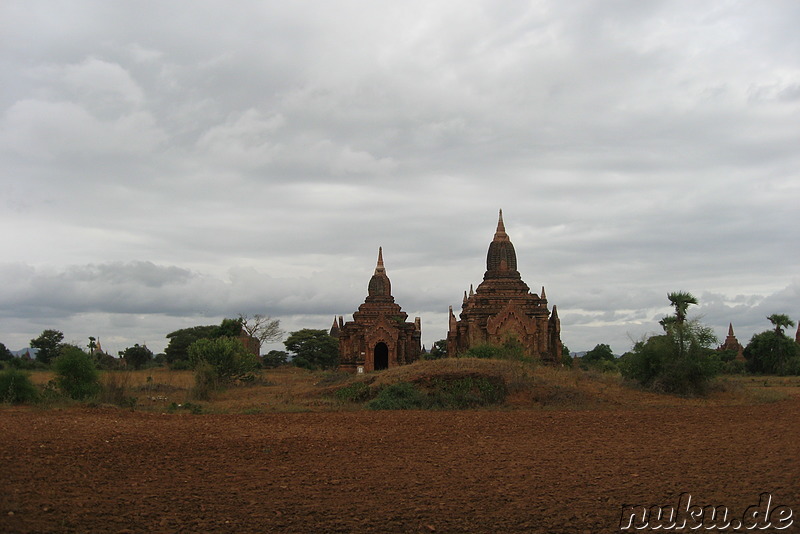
column 780, row 321
column 681, row 301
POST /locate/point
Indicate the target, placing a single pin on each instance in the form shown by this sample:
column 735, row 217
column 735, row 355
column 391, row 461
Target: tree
column 438, row 350
column 262, row 328
column 48, row 344
column 228, row 328
column 313, row 349
column 275, row 358
column 180, row 340
column 681, row 361
column 137, row 356
column 780, row 321
column 772, row 351
column 5, row 354
column 600, row 353
column 228, row 357
column 681, row 300
column 92, row 345
column 76, row 374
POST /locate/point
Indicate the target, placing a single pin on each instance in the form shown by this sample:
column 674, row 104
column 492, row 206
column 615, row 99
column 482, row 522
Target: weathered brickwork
column 378, row 337
column 503, row 309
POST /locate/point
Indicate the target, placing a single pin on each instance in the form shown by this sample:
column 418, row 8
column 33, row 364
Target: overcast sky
column 168, row 164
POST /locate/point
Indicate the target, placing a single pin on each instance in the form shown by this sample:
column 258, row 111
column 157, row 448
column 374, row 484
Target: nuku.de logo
column 685, row 515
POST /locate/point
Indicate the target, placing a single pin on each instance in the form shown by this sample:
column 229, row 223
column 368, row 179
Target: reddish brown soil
column 104, row 470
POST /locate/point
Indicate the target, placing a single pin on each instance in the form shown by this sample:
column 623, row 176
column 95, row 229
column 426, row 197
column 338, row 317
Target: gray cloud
column 171, row 164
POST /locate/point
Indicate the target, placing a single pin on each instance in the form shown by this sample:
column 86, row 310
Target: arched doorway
column 381, row 356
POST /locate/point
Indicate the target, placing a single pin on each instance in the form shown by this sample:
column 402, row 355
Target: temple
column 502, row 309
column 731, row 343
column 378, row 337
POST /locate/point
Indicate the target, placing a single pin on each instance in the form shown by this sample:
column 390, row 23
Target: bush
column 466, row 392
column 399, row 396
column 115, row 389
column 76, row 374
column 658, row 365
column 448, row 392
column 510, row 350
column 355, row 392
column 229, row 358
column 206, row 381
column 16, row 387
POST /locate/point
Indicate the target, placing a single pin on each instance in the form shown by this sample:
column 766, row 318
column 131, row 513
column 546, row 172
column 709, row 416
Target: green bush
column 206, row 381
column 16, row 387
column 355, row 392
column 76, row 374
column 511, row 349
column 230, row 359
column 399, row 396
column 466, row 392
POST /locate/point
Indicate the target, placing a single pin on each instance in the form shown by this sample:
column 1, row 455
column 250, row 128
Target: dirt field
column 113, row 470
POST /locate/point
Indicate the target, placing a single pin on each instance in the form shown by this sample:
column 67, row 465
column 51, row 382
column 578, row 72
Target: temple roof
column 501, row 258
column 379, row 284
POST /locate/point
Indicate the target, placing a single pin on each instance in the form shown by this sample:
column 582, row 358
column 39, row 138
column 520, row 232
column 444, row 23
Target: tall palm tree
column 681, row 300
column 780, row 321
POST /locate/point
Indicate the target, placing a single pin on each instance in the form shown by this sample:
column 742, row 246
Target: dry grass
column 290, row 389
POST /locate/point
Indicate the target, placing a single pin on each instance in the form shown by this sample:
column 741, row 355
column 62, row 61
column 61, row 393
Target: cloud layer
column 171, row 165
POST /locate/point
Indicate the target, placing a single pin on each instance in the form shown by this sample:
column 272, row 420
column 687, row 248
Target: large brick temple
column 502, row 309
column 378, row 337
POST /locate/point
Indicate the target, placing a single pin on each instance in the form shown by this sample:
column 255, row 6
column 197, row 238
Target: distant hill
column 21, row 352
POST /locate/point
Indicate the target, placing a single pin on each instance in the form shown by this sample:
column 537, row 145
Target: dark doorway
column 381, row 356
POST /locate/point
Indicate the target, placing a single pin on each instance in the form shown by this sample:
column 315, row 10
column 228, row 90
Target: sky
column 168, row 164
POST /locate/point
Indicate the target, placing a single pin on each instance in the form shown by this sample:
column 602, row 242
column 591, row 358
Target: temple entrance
column 381, row 356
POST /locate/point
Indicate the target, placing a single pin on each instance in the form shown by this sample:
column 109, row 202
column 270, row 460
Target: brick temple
column 378, row 337
column 502, row 309
column 731, row 343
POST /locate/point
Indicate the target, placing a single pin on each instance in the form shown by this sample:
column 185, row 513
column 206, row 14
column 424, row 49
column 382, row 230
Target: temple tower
column 731, row 343
column 378, row 337
column 502, row 309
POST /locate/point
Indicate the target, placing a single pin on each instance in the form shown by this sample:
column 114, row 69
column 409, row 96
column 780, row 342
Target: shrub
column 115, row 389
column 16, row 387
column 229, row 358
column 511, row 349
column 467, row 392
column 355, row 392
column 76, row 374
column 399, row 396
column 206, row 381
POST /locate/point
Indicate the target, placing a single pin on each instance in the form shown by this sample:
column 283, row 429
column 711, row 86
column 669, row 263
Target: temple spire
column 500, row 234
column 380, row 268
column 730, row 329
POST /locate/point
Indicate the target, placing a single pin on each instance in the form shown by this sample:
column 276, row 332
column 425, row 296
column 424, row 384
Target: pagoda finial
column 544, row 295
column 380, row 267
column 730, row 329
column 471, row 291
column 501, row 234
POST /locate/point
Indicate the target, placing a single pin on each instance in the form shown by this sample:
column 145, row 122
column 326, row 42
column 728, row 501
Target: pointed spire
column 555, row 312
column 465, row 297
column 544, row 295
column 471, row 291
column 380, row 267
column 730, row 329
column 500, row 234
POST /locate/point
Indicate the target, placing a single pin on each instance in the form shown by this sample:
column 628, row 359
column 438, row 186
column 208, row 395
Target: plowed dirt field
column 110, row 470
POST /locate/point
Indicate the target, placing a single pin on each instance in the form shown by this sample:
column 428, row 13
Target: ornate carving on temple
column 378, row 337
column 502, row 309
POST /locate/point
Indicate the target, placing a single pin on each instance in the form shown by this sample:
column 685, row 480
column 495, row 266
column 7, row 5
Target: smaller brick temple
column 731, row 343
column 502, row 309
column 378, row 337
